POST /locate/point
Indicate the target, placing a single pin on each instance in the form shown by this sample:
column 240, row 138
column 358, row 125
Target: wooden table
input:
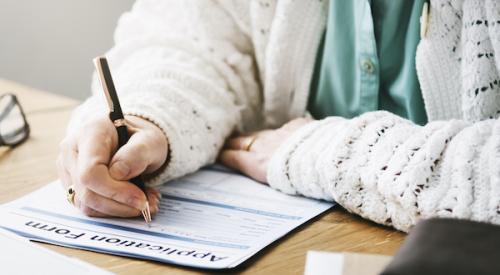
column 32, row 165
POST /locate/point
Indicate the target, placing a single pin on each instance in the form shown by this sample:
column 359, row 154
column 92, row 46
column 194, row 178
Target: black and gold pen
column 116, row 116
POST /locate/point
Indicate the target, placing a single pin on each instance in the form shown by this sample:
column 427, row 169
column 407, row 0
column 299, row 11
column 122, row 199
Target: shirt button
column 368, row 66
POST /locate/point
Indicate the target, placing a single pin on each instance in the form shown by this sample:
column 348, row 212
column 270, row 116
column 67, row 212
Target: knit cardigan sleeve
column 394, row 172
column 188, row 67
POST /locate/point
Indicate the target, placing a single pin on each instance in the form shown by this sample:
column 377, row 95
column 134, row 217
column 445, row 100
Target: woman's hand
column 250, row 154
column 88, row 161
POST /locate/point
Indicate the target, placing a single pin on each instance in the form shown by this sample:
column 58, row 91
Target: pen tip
column 146, row 213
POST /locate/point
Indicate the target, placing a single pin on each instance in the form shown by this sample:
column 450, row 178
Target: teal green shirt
column 367, row 60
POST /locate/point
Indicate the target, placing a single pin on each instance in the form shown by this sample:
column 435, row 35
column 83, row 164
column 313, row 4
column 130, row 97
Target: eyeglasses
column 14, row 128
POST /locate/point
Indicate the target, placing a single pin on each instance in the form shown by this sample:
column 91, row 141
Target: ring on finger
column 70, row 194
column 249, row 142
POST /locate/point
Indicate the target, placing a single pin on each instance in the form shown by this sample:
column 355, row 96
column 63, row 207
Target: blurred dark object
column 14, row 128
column 448, row 246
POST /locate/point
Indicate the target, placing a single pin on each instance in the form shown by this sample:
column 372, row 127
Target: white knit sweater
column 198, row 69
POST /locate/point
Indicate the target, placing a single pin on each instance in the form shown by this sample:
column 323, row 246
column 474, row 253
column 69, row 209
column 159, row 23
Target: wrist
column 293, row 165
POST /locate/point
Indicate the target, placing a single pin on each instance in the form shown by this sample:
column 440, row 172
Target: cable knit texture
column 200, row 69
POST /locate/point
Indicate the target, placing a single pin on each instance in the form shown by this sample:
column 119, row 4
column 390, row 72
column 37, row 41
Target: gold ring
column 70, row 194
column 250, row 141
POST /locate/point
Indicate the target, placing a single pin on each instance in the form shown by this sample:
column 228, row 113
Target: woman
column 190, row 73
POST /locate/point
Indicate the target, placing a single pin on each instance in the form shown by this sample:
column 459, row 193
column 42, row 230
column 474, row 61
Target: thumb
column 140, row 155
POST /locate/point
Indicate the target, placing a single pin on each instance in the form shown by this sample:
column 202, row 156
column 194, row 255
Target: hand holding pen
column 118, row 120
column 99, row 173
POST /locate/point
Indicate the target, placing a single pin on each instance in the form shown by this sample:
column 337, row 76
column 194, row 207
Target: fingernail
column 119, row 170
column 155, row 207
column 137, row 203
column 156, row 193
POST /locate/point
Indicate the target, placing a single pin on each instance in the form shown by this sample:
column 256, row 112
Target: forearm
column 194, row 112
column 393, row 172
column 196, row 87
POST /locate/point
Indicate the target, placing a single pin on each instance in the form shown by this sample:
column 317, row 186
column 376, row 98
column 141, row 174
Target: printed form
column 212, row 219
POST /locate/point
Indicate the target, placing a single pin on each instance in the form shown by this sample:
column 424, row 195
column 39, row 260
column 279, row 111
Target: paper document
column 211, row 219
column 19, row 256
column 331, row 263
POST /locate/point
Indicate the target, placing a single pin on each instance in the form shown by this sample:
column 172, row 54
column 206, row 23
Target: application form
column 41, row 260
column 212, row 219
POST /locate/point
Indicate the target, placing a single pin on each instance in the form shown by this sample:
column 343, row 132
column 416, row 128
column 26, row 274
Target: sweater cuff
column 280, row 174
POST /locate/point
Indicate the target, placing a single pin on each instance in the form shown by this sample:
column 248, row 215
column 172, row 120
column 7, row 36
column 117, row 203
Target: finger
column 237, row 133
column 71, row 158
column 68, row 153
column 141, row 154
column 237, row 159
column 87, row 210
column 244, row 161
column 96, row 147
column 66, row 161
column 154, row 200
column 69, row 162
column 238, row 143
column 99, row 181
column 106, row 206
column 153, row 192
column 92, row 213
column 94, row 153
column 63, row 173
column 297, row 123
